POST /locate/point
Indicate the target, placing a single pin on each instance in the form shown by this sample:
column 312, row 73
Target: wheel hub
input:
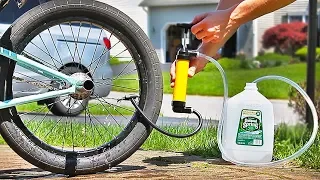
column 87, row 87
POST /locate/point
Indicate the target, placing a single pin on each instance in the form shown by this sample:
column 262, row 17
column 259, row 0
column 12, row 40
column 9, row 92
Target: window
column 301, row 18
column 295, row 18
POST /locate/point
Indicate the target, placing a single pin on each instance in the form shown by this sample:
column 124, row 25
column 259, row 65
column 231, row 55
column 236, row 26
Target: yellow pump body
column 181, row 80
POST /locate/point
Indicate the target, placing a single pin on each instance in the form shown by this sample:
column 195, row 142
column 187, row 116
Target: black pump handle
column 185, row 25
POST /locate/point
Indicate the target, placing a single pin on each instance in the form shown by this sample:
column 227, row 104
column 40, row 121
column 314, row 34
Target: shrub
column 286, row 38
column 226, row 63
column 241, row 56
column 302, row 53
column 298, row 102
column 274, row 59
column 248, row 64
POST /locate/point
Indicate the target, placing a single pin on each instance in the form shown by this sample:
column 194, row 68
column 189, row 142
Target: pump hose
column 200, row 120
column 223, row 115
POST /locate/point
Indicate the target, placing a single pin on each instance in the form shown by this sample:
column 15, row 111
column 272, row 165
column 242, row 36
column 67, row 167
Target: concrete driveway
column 211, row 107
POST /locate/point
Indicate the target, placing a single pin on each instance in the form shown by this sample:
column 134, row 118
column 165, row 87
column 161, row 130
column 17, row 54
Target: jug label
column 250, row 128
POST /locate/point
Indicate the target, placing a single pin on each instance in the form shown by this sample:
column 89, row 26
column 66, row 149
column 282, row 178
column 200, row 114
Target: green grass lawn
column 115, row 61
column 210, row 83
column 65, row 134
column 288, row 139
column 93, row 108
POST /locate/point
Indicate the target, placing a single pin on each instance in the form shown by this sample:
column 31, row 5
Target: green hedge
column 302, row 53
column 266, row 60
column 274, row 59
column 226, row 63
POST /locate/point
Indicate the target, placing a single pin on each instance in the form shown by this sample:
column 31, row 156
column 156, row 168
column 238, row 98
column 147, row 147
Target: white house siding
column 299, row 6
column 136, row 13
column 263, row 23
column 132, row 9
column 162, row 17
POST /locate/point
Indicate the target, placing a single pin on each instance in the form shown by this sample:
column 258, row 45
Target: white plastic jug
column 248, row 130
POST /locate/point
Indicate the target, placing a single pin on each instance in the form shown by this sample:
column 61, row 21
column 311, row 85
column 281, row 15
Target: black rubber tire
column 57, row 108
column 46, row 157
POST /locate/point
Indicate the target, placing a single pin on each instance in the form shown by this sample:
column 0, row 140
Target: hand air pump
column 184, row 56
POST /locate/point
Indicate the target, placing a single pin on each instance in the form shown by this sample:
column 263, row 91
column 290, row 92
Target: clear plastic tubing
column 223, row 115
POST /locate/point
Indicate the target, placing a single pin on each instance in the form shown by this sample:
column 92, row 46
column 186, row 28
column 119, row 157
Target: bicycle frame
column 42, row 70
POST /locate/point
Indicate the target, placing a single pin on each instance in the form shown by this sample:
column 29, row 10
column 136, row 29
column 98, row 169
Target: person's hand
column 215, row 27
column 196, row 64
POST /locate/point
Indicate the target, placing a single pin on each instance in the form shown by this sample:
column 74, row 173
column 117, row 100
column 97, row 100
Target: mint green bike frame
column 42, row 70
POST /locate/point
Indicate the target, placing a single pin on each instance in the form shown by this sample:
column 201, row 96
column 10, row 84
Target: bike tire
column 71, row 163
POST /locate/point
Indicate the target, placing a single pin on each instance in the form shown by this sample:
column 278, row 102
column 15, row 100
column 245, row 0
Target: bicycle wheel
column 68, row 144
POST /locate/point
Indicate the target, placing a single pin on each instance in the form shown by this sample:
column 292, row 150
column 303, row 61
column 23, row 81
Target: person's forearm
column 251, row 9
column 225, row 4
column 242, row 12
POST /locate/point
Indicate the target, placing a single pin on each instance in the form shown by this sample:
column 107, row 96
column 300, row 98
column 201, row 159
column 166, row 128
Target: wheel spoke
column 95, row 49
column 110, row 104
column 85, row 128
column 43, row 51
column 109, row 113
column 85, row 43
column 76, row 42
column 36, row 58
column 66, row 42
column 102, row 54
column 123, row 69
column 48, row 52
column 55, row 47
column 122, row 87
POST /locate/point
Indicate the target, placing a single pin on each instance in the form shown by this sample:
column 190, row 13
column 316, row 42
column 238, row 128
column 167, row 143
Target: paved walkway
column 157, row 165
column 210, row 107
